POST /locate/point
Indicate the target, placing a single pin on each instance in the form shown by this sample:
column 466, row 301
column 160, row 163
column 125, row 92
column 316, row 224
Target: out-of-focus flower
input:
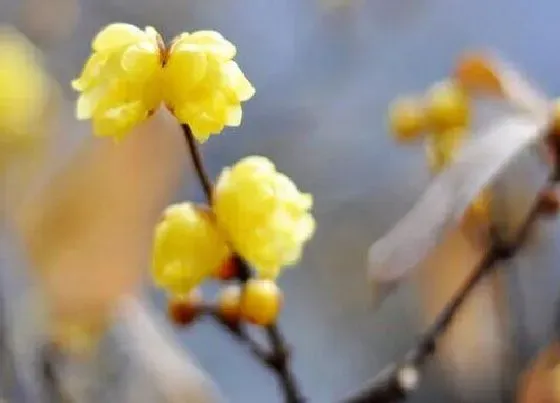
column 119, row 84
column 204, row 86
column 131, row 72
column 187, row 249
column 264, row 215
column 25, row 88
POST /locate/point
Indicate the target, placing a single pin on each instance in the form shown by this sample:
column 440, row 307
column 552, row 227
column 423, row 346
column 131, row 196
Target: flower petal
column 238, row 83
column 86, row 104
column 115, row 36
column 212, row 42
column 91, row 71
column 118, row 121
column 234, row 115
column 140, row 61
column 185, row 67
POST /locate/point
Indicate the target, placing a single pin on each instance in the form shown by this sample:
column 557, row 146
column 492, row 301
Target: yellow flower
column 131, row 72
column 204, row 87
column 120, row 83
column 264, row 215
column 24, row 87
column 188, row 248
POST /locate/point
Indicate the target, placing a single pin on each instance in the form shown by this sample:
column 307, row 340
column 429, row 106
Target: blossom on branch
column 119, row 83
column 188, row 248
column 266, row 218
column 204, row 87
column 131, row 73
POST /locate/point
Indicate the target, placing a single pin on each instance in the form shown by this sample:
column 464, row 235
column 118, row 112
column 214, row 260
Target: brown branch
column 398, row 380
column 198, row 163
column 278, row 359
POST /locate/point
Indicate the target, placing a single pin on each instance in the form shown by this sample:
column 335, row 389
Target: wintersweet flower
column 131, row 73
column 188, row 248
column 119, row 84
column 264, row 215
column 204, row 87
column 25, row 88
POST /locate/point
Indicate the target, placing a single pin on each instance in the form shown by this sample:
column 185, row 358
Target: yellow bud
column 261, row 302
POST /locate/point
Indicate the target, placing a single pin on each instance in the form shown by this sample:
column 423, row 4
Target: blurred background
column 325, row 72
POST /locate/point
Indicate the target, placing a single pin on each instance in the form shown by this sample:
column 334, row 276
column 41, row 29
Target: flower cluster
column 256, row 216
column 444, row 115
column 131, row 73
column 256, row 212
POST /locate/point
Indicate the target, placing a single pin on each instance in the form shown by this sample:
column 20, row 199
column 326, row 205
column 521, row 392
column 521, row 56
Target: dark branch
column 198, row 163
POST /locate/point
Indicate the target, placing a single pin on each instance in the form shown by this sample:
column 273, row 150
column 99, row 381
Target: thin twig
column 399, row 379
column 278, row 359
column 198, row 163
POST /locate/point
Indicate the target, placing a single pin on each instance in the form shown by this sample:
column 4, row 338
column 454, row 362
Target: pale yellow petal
column 234, row 115
column 238, row 82
column 115, row 36
column 185, row 68
column 140, row 61
column 119, row 121
column 152, row 34
column 85, row 106
column 202, row 127
column 212, row 42
column 90, row 72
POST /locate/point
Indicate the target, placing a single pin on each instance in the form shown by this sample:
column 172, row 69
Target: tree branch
column 198, row 163
column 398, row 380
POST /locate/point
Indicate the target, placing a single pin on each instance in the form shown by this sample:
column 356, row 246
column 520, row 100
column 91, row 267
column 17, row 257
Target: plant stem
column 279, row 358
column 198, row 163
